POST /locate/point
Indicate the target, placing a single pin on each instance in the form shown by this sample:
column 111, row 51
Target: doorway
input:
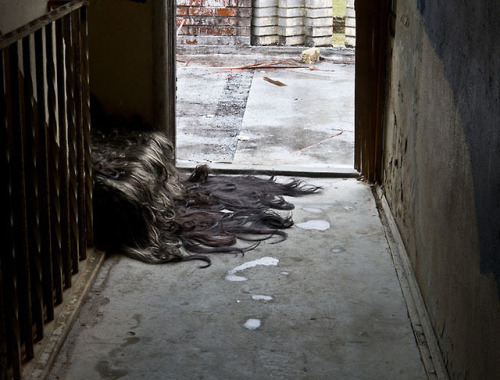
column 263, row 108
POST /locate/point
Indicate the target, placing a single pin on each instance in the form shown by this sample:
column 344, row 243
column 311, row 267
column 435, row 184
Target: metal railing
column 47, row 191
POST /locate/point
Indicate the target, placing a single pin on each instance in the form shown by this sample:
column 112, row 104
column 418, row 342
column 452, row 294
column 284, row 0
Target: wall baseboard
column 421, row 324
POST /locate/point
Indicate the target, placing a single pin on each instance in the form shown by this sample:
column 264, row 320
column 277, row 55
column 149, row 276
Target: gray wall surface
column 441, row 176
column 14, row 14
column 121, row 57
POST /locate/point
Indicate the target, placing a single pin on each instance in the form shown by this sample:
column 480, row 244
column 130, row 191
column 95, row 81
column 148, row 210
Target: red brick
column 244, row 31
column 182, row 11
column 226, row 31
column 200, row 20
column 244, row 3
column 229, row 12
column 183, row 31
column 245, row 12
column 200, row 11
column 189, row 3
column 220, row 3
column 218, row 31
column 226, row 21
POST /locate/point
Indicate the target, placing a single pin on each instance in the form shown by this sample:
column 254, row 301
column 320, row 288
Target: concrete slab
column 324, row 304
column 308, row 122
column 240, row 119
column 210, row 107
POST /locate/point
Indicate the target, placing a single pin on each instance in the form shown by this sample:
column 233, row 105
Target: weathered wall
column 14, row 14
column 214, row 22
column 121, row 56
column 441, row 170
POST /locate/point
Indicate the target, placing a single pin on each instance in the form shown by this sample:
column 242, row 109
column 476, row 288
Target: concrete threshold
column 320, row 171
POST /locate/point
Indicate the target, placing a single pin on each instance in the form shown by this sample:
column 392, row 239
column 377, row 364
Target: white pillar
column 319, row 22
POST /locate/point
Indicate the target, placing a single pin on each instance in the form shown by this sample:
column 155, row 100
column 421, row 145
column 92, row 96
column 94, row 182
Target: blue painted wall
column 466, row 37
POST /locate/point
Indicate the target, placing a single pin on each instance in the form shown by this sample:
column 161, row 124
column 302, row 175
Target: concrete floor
column 324, row 304
column 236, row 118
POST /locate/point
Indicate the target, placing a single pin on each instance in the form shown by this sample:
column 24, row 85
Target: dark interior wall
column 121, row 57
column 441, row 176
column 16, row 13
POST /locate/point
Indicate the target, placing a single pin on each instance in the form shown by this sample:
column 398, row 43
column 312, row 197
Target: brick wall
column 214, row 22
column 259, row 22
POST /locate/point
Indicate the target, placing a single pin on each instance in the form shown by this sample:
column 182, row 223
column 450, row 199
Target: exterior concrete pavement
column 229, row 116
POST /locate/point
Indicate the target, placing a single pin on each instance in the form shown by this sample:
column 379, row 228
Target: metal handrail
column 25, row 30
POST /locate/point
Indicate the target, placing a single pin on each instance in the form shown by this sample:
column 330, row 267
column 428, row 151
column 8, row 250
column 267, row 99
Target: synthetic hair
column 147, row 209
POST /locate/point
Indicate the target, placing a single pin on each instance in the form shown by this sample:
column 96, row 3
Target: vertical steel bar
column 6, row 281
column 63, row 154
column 73, row 257
column 44, row 179
column 79, row 142
column 20, row 216
column 32, row 162
column 86, row 125
column 9, row 259
column 54, row 165
column 45, row 132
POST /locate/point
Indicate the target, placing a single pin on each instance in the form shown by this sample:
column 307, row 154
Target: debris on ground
column 275, row 82
column 310, row 56
column 319, row 142
column 290, row 63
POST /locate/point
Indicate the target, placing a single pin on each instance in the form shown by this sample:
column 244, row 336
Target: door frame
column 372, row 33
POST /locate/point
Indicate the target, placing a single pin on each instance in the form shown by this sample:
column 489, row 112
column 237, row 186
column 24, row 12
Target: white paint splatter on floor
column 338, row 249
column 252, row 324
column 317, row 224
column 259, row 297
column 266, row 261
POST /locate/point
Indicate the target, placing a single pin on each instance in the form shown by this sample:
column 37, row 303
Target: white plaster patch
column 266, row 261
column 313, row 210
column 252, row 324
column 320, row 225
column 259, row 297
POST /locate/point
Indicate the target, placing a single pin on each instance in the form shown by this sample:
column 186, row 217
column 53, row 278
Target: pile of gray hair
column 146, row 208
